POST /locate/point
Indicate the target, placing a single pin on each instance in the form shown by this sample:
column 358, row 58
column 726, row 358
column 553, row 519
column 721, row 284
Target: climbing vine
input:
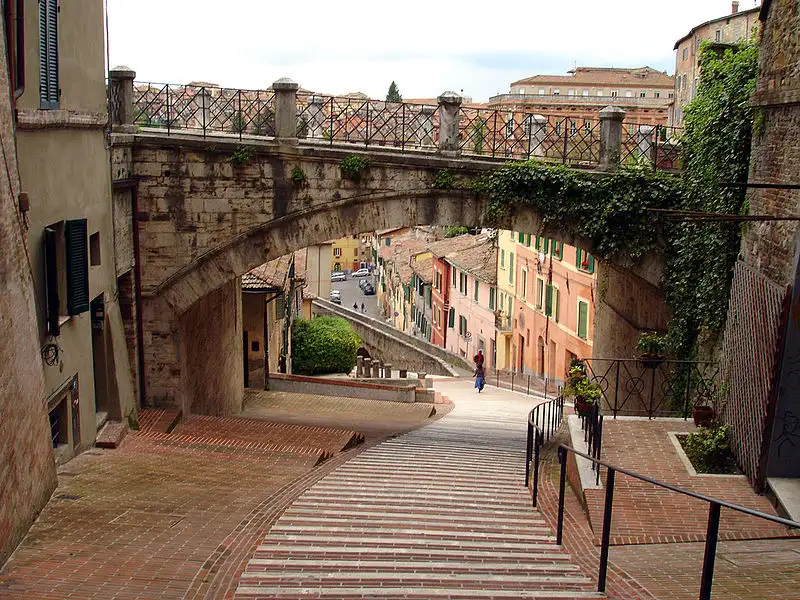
column 352, row 166
column 611, row 211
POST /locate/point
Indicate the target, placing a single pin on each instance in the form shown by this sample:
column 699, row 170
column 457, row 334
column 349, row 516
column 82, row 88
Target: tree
column 394, row 94
column 324, row 345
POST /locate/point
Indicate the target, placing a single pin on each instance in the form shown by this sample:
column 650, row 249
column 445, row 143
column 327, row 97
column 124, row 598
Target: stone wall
column 769, row 247
column 27, row 466
column 210, row 334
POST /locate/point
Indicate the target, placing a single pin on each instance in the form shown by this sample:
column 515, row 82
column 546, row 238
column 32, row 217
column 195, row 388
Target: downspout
column 137, row 276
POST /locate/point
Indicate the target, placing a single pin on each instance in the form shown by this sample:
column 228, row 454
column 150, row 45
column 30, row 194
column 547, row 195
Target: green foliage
column 324, row 345
column 394, row 93
column 716, row 149
column 241, row 156
column 455, row 231
column 611, row 211
column 651, row 342
column 479, row 135
column 352, row 167
column 444, row 180
column 709, row 449
column 579, row 385
column 298, row 177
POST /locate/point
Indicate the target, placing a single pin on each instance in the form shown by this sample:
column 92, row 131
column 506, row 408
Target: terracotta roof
column 274, row 273
column 480, row 261
column 424, row 269
column 400, row 253
column 443, row 248
column 251, row 282
column 587, row 76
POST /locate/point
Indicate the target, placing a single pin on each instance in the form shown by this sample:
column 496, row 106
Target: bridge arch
column 203, row 222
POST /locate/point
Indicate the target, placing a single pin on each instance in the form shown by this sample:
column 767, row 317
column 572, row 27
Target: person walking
column 480, row 377
column 355, row 306
column 363, row 308
column 478, row 358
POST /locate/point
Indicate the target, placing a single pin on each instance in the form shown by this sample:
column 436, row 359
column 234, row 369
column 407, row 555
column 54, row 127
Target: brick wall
column 770, row 247
column 27, row 467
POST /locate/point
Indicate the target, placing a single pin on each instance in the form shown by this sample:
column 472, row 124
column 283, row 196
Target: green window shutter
column 556, row 304
column 521, row 238
column 475, row 293
column 583, row 320
column 76, row 242
column 492, row 301
column 545, row 245
column 558, row 250
column 538, row 244
column 591, row 264
column 528, row 240
column 503, row 258
column 48, row 54
column 428, row 297
column 578, row 260
column 452, row 318
column 51, row 280
column 510, row 268
column 548, row 301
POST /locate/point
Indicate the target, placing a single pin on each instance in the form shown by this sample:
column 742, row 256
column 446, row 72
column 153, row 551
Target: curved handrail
column 552, row 413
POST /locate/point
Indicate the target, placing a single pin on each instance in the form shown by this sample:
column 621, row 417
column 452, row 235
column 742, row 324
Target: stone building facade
column 643, row 93
column 26, row 453
column 731, row 28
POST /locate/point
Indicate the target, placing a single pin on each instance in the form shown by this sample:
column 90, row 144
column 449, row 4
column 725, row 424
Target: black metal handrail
column 592, row 425
column 543, row 421
column 712, row 532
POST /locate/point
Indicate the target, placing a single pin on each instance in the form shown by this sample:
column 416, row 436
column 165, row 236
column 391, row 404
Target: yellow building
column 506, row 257
column 347, row 254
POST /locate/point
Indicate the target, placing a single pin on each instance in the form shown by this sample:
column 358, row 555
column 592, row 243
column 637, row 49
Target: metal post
column 528, row 392
column 616, row 389
column 687, row 394
column 564, row 158
column 331, row 130
column 203, row 97
column 528, row 453
column 655, row 149
column 652, row 393
column 494, row 147
column 240, row 124
column 403, row 128
column 711, row 551
column 169, row 117
column 538, row 443
column 366, row 130
column 562, row 457
column 512, row 380
column 530, row 134
column 497, row 372
column 601, row 579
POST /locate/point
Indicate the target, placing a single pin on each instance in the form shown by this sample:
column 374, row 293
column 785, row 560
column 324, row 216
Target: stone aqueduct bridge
column 202, row 222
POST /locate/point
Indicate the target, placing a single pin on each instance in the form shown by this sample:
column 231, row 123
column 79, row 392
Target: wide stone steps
column 437, row 513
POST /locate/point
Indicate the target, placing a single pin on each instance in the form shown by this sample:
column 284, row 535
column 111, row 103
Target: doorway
column 99, row 366
column 521, row 365
column 541, row 357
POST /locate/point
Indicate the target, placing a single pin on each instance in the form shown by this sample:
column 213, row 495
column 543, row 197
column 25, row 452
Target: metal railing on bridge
column 480, row 132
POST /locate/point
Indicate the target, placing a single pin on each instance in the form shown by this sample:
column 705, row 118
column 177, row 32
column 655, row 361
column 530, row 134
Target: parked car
column 362, row 283
column 338, row 276
column 368, row 290
column 335, row 293
column 360, row 273
column 336, row 299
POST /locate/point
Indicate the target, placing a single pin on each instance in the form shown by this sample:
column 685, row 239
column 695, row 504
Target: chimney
column 734, row 7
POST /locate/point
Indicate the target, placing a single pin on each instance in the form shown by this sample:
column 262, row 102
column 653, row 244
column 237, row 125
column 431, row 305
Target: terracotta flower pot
column 651, row 361
column 703, row 415
column 582, row 407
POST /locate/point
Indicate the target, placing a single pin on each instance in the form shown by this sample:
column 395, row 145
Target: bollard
column 367, row 368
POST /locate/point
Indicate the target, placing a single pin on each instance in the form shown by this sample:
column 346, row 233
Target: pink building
column 473, row 301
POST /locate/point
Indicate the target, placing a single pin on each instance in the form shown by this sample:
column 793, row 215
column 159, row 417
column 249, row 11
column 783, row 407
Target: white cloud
column 425, row 46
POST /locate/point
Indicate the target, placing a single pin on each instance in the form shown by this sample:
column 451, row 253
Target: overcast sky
column 426, row 46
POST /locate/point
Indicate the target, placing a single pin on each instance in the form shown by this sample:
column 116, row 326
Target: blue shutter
column 48, row 54
column 76, row 245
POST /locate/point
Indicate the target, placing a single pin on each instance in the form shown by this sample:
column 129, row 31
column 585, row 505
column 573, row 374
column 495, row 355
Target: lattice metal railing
column 751, row 337
column 367, row 122
column 207, row 109
column 655, row 146
column 668, row 388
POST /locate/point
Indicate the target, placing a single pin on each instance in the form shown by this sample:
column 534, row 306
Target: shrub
column 444, row 180
column 352, row 166
column 709, row 449
column 324, row 345
column 651, row 342
column 241, row 156
column 298, row 177
column 455, row 232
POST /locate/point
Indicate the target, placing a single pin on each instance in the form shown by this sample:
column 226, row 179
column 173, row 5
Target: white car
column 335, row 293
column 360, row 273
column 338, row 276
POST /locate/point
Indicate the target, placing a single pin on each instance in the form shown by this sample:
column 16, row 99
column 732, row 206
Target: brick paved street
column 171, row 516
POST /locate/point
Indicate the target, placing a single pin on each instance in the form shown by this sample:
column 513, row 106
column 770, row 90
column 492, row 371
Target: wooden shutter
column 591, row 264
column 491, row 298
column 548, row 300
column 452, row 318
column 48, row 54
column 51, row 280
column 76, row 245
column 475, row 296
column 583, row 320
column 521, row 238
column 556, row 303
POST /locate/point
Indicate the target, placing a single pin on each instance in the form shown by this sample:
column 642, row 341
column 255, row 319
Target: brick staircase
column 436, row 513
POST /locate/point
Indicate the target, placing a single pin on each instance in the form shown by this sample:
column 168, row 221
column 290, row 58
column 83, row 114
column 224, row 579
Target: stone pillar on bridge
column 120, row 79
column 359, row 366
column 376, row 369
column 644, row 142
column 538, row 133
column 367, row 368
column 611, row 118
column 387, row 371
column 286, row 110
column 449, row 116
column 316, row 117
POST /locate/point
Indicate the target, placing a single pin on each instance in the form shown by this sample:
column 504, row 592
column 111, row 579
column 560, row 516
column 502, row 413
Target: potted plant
column 651, row 347
column 585, row 392
column 704, row 413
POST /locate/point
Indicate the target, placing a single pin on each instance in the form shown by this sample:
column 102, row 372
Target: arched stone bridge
column 201, row 221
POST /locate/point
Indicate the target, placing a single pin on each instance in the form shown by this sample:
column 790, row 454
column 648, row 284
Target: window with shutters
column 583, row 319
column 337, row 252
column 539, row 293
column 549, row 299
column 557, row 249
column 66, row 271
column 462, row 325
column 475, row 291
column 428, row 297
column 48, row 54
column 462, row 283
column 523, row 283
column 451, row 320
column 584, row 261
column 453, row 271
column 492, row 298
column 502, row 259
column 511, row 267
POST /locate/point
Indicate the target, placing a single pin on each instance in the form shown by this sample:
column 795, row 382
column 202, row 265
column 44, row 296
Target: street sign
column 468, row 335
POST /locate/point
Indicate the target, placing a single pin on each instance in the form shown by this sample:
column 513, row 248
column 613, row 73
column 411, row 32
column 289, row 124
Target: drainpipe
column 137, row 276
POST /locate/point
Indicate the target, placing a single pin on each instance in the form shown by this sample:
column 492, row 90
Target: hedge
column 324, row 345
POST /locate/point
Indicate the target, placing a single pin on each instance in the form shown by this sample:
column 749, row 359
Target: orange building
column 644, row 93
column 554, row 308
